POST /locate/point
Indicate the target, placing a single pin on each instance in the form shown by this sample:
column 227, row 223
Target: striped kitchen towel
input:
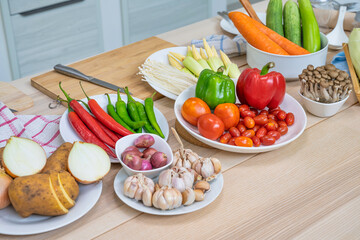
column 42, row 129
column 233, row 47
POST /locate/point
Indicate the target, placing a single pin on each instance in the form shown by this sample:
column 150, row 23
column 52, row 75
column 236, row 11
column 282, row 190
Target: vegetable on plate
column 210, row 126
column 261, row 89
column 229, row 113
column 58, row 160
column 192, row 109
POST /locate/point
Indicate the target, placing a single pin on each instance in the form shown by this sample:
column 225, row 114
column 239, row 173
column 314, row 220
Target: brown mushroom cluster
column 325, row 84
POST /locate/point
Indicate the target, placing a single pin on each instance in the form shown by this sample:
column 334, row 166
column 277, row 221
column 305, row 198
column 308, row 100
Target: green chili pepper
column 132, row 109
column 123, row 114
column 142, row 114
column 111, row 111
column 149, row 109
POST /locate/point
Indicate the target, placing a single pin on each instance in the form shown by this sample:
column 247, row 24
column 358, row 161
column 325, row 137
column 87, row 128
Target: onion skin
column 158, row 159
column 149, row 152
column 5, row 181
column 146, row 165
column 132, row 161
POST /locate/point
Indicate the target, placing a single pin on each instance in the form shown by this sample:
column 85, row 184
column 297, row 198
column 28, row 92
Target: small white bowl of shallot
column 144, row 153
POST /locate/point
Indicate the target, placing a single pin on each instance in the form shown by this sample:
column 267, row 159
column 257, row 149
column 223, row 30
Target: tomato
column 271, row 116
column 282, row 130
column 249, row 122
column 254, row 110
column 255, row 128
column 234, row 132
column 261, row 119
column 267, row 140
column 243, row 142
column 281, row 115
column 225, row 137
column 248, row 133
column 261, row 132
column 290, row 119
column 193, row 108
column 241, row 127
column 256, row 141
column 243, row 107
column 275, row 112
column 270, row 126
column 210, row 126
column 247, row 113
column 274, row 109
column 274, row 134
column 232, row 141
column 264, row 112
column 282, row 123
column 229, row 113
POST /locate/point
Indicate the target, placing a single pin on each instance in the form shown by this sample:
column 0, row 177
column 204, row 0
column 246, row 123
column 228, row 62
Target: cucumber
column 310, row 27
column 274, row 16
column 292, row 24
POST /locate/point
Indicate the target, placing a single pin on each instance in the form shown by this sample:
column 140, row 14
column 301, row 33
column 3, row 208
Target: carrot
column 253, row 35
column 286, row 44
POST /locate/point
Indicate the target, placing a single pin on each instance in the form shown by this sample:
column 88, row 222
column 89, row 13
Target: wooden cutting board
column 14, row 98
column 119, row 67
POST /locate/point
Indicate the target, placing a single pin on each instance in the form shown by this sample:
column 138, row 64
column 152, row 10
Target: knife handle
column 71, row 72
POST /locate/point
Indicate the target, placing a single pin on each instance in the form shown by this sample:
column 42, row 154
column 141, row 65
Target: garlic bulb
column 207, row 168
column 188, row 196
column 140, row 188
column 166, row 198
column 177, row 177
column 184, row 158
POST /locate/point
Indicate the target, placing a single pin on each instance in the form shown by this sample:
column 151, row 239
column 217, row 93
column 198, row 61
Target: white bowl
column 289, row 66
column 160, row 144
column 322, row 109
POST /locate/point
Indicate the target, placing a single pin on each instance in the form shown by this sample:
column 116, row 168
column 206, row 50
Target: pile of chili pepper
column 104, row 129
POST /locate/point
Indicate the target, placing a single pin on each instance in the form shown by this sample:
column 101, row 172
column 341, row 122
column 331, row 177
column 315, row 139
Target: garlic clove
column 139, row 192
column 217, row 165
column 202, row 185
column 207, row 169
column 146, row 197
column 199, row 195
column 188, row 196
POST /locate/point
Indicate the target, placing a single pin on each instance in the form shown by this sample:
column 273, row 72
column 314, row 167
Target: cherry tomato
column 261, row 132
column 247, row 113
column 275, row 112
column 241, row 127
column 249, row 122
column 243, row 142
column 290, row 119
column 275, row 122
column 271, row 116
column 193, row 108
column 210, row 126
column 256, row 141
column 270, row 126
column 267, row 140
column 255, row 128
column 282, row 123
column 274, row 109
column 234, row 132
column 281, row 115
column 261, row 119
column 228, row 113
column 264, row 112
column 254, row 110
column 274, row 134
column 282, row 130
column 243, row 107
column 225, row 137
column 248, row 133
column 232, row 141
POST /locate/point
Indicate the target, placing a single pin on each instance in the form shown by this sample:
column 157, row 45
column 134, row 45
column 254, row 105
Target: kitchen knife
column 72, row 72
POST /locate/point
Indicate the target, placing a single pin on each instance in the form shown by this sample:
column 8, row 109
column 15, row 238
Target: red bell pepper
column 261, row 89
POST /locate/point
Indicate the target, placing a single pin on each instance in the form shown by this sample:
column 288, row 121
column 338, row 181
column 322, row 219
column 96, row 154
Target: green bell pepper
column 215, row 88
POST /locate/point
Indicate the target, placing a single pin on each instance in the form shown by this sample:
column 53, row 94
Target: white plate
column 69, row 135
column 230, row 28
column 12, row 224
column 289, row 105
column 210, row 196
column 161, row 56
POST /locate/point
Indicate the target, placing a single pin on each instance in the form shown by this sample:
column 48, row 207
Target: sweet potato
column 60, row 191
column 58, row 160
column 35, row 194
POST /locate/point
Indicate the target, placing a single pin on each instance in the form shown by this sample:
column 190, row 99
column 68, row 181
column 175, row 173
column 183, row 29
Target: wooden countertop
column 309, row 189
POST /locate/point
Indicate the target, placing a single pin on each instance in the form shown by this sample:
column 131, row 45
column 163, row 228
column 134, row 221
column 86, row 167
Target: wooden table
column 309, row 189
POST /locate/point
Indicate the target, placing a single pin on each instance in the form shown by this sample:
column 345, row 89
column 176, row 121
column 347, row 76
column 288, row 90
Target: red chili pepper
column 110, row 133
column 105, row 118
column 85, row 134
column 89, row 121
column 261, row 89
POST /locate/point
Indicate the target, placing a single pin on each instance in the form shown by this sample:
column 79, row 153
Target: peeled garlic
column 167, row 198
column 140, row 188
column 177, row 177
column 184, row 158
column 207, row 168
column 188, row 196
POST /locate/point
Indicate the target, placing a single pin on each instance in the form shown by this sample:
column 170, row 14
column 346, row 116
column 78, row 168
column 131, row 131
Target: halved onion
column 23, row 157
column 88, row 162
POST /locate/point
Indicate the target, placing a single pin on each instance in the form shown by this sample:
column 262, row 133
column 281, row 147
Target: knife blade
column 72, row 72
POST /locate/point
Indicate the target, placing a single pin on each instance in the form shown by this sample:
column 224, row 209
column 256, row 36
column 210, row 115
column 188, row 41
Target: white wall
column 5, row 70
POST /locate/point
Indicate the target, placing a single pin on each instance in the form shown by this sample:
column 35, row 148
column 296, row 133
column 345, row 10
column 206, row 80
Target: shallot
column 146, row 165
column 149, row 152
column 132, row 161
column 158, row 159
column 144, row 141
